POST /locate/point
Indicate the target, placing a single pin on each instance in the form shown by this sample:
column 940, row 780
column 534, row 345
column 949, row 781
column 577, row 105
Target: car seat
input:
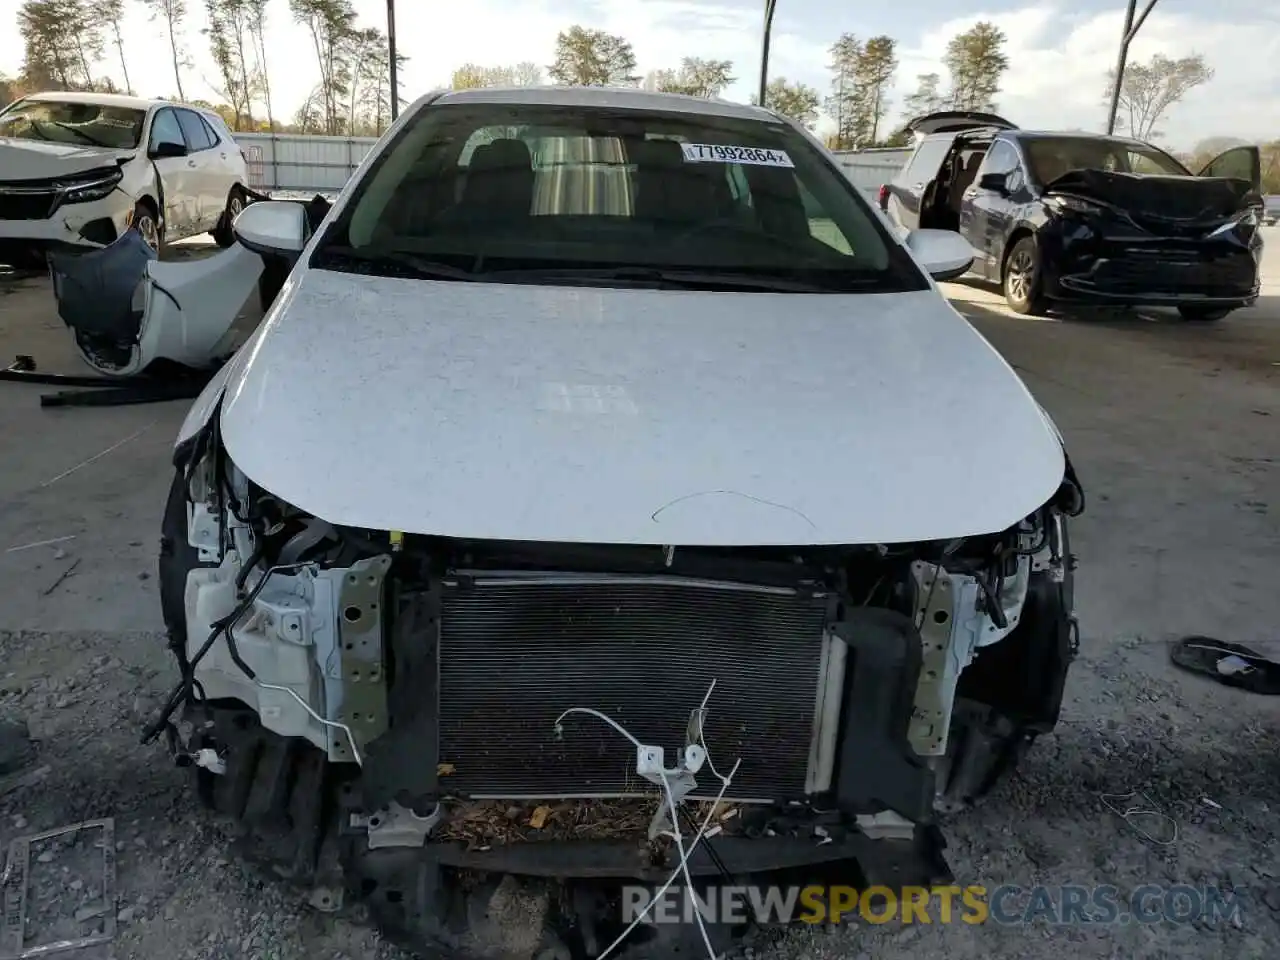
column 668, row 189
column 963, row 180
column 499, row 183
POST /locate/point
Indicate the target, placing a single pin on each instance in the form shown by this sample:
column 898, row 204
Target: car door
column 907, row 189
column 205, row 181
column 1238, row 163
column 225, row 161
column 987, row 206
column 938, row 132
column 167, row 148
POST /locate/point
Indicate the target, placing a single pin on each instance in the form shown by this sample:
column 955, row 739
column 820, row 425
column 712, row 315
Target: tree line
column 79, row 45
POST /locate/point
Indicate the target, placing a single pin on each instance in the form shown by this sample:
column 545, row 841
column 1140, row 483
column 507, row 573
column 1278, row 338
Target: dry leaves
column 482, row 823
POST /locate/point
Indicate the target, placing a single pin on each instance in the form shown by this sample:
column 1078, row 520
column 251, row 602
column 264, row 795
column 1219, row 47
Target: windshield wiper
column 683, row 279
column 405, row 264
column 82, row 135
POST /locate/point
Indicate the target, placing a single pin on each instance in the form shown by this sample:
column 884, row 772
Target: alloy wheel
column 145, row 224
column 1019, row 275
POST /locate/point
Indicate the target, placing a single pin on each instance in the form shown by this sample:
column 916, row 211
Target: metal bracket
column 16, row 882
column 364, row 700
column 396, row 826
column 935, row 611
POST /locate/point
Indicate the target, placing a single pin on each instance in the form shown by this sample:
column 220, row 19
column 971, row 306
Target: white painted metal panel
column 290, row 162
column 302, row 163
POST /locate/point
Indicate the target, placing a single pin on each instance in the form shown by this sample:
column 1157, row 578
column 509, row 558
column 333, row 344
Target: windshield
column 82, row 124
column 1051, row 157
column 486, row 190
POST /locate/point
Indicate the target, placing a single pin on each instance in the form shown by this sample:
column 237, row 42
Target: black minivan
column 1079, row 217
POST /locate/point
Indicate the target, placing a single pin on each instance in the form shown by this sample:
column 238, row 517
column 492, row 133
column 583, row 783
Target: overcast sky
column 1059, row 52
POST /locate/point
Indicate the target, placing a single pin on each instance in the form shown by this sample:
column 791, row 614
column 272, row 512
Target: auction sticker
column 721, row 153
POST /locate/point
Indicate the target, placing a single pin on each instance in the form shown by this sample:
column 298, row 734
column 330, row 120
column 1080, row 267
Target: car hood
column 578, row 414
column 41, row 160
column 1188, row 199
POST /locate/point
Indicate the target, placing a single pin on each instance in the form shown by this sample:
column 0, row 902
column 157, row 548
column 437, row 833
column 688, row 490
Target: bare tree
column 472, row 75
column 174, row 13
column 61, row 40
column 112, row 12
column 331, row 24
column 1150, row 89
column 257, row 25
column 927, row 97
column 227, row 30
column 696, row 78
column 527, row 74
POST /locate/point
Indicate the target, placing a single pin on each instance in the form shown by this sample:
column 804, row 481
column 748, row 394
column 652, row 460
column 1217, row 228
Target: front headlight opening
column 1075, row 205
column 91, row 190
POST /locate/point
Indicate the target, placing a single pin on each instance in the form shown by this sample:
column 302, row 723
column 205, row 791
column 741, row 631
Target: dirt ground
column 1175, row 430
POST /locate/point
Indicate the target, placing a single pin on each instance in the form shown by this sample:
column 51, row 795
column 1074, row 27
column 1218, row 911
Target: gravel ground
column 1174, row 431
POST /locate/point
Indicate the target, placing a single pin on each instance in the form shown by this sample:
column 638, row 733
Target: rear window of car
column 926, row 161
column 81, row 124
column 540, row 185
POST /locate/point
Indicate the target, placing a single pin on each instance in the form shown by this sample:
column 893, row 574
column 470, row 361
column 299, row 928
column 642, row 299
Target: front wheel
column 146, row 221
column 1203, row 314
column 1022, row 281
column 223, row 235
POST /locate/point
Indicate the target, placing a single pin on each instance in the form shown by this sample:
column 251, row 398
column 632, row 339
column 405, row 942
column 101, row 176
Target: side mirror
column 995, row 182
column 943, row 254
column 167, row 148
column 273, row 228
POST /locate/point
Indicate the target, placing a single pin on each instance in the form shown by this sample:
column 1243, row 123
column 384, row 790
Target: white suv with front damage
column 605, row 454
column 78, row 169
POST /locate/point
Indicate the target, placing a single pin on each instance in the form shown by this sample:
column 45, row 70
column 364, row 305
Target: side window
column 1001, row 158
column 193, row 128
column 165, row 129
column 926, row 161
column 212, row 130
column 821, row 226
column 738, row 186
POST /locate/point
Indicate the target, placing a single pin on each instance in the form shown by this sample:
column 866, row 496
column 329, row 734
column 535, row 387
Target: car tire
column 222, row 233
column 146, row 220
column 1198, row 314
column 1020, row 279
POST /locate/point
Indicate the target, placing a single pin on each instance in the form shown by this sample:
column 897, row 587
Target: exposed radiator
column 515, row 652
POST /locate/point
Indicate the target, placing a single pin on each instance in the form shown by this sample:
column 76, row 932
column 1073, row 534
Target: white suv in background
column 77, row 169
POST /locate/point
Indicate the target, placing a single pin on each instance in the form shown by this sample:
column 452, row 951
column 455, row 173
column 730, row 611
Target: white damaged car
column 77, row 169
column 593, row 400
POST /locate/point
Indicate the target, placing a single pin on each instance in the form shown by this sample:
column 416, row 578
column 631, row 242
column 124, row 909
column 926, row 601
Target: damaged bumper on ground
column 412, row 721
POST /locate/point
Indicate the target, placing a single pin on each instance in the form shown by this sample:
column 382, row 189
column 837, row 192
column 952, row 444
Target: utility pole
column 764, row 50
column 1131, row 28
column 391, row 49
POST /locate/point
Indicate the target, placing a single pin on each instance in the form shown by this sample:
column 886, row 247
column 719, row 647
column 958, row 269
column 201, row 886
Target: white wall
column 301, row 163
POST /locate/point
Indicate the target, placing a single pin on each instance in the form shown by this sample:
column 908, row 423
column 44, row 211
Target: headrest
column 655, row 153
column 502, row 155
